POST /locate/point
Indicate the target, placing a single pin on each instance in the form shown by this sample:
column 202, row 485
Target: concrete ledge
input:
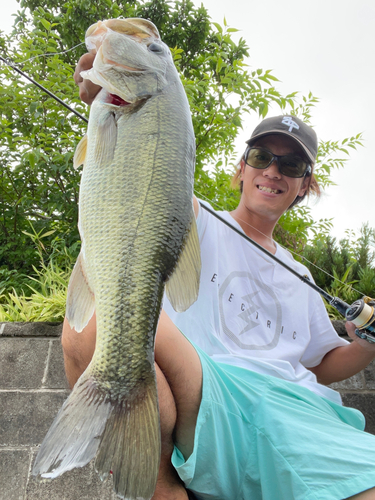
column 37, row 329
column 364, row 402
column 339, row 326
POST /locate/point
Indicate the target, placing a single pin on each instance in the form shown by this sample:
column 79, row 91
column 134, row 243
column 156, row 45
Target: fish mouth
column 116, row 100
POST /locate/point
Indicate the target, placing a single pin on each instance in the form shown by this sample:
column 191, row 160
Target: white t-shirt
column 252, row 312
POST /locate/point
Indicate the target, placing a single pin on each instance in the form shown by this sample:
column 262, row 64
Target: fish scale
column 139, row 237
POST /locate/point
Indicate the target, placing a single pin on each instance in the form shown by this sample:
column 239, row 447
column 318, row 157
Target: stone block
column 357, row 382
column 25, row 417
column 370, row 376
column 37, row 329
column 364, row 402
column 339, row 326
column 56, row 378
column 22, row 362
column 83, row 484
column 14, row 468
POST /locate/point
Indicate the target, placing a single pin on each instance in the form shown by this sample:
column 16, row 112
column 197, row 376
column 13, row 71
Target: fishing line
column 12, row 65
column 361, row 312
column 52, row 53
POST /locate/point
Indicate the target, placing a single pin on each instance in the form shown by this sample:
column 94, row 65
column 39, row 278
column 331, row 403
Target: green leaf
column 46, row 24
column 218, row 27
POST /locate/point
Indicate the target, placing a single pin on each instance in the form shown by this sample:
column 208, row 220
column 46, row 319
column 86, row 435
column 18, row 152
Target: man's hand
column 350, row 328
column 87, row 89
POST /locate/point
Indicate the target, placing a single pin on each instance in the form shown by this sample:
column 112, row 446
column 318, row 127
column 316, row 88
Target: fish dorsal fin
column 183, row 285
column 106, row 139
column 80, row 152
column 80, row 302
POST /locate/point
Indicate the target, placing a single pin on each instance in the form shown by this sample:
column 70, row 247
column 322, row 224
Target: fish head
column 131, row 61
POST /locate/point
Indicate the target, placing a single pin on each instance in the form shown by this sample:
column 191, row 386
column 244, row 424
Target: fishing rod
column 361, row 312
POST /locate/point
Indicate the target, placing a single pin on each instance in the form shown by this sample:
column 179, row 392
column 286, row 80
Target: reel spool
column 362, row 314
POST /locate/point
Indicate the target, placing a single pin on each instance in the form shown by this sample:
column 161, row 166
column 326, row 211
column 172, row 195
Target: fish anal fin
column 106, row 139
column 183, row 285
column 80, row 152
column 80, row 301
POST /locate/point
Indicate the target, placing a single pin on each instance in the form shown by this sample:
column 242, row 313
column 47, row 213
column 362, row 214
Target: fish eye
column 155, row 47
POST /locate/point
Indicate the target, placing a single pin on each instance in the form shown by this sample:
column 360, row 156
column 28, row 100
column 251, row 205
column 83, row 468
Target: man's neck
column 256, row 228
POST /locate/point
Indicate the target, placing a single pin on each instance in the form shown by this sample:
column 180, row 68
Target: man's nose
column 272, row 170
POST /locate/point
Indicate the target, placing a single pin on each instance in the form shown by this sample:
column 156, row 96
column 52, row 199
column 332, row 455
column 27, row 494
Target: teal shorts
column 262, row 438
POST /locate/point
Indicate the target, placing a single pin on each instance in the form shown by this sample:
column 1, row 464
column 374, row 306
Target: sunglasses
column 289, row 165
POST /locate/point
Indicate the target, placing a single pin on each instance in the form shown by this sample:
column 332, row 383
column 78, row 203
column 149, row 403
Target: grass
column 46, row 301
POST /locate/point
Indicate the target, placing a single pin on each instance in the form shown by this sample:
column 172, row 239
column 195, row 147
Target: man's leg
column 365, row 495
column 179, row 380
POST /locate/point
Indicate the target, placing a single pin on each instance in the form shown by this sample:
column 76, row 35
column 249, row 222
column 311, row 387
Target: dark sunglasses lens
column 292, row 166
column 289, row 165
column 258, row 158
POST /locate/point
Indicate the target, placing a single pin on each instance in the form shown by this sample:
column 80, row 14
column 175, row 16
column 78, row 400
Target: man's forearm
column 342, row 363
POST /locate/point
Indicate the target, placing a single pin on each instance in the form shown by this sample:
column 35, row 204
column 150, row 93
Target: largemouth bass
column 138, row 235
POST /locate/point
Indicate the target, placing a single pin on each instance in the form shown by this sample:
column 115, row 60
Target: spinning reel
column 362, row 314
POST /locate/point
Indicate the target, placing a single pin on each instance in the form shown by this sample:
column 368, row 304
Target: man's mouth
column 269, row 190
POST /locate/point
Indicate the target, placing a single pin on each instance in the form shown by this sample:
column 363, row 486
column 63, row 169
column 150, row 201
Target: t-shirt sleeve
column 323, row 336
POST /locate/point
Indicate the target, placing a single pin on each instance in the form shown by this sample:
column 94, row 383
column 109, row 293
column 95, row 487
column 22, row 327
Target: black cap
column 292, row 127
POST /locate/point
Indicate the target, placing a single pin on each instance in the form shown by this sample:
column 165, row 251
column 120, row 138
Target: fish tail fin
column 130, row 447
column 123, row 434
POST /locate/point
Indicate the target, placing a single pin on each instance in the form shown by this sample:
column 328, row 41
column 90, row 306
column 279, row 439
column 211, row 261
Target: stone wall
column 33, row 388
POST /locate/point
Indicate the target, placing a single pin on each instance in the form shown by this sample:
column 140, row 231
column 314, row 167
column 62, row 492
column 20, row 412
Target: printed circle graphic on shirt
column 252, row 320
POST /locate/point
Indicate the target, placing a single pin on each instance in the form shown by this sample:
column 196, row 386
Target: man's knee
column 167, row 410
column 78, row 349
column 169, row 485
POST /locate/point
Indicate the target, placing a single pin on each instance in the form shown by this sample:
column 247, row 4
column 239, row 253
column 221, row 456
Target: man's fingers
column 85, row 62
column 350, row 328
column 87, row 89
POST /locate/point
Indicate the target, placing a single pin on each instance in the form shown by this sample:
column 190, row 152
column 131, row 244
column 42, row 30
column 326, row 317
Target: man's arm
column 344, row 362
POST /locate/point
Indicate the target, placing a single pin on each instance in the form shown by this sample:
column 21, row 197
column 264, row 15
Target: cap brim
column 253, row 139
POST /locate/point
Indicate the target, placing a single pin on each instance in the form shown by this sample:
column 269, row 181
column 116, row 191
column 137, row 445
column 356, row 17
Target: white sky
column 322, row 46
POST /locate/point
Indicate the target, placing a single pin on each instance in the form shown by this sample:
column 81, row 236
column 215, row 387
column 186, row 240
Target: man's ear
column 242, row 168
column 304, row 187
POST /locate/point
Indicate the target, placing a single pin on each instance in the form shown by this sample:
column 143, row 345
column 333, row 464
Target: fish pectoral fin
column 80, row 152
column 183, row 285
column 106, row 139
column 80, row 301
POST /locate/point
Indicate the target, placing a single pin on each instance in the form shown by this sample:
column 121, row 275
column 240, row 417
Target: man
column 244, row 414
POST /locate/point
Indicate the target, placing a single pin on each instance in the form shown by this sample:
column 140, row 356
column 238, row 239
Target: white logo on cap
column 287, row 120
